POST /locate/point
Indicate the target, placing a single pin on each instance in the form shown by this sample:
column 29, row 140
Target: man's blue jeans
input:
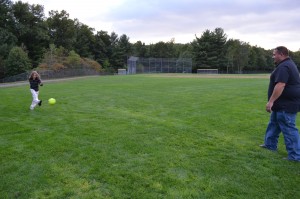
column 286, row 123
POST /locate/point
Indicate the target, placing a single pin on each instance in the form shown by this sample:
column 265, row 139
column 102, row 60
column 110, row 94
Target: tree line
column 29, row 40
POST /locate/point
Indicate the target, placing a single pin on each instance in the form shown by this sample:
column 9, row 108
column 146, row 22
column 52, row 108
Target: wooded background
column 29, row 40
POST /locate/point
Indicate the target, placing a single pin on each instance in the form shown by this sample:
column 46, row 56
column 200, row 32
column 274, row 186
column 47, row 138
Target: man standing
column 283, row 104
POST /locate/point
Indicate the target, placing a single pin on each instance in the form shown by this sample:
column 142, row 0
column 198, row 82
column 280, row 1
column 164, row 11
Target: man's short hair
column 282, row 50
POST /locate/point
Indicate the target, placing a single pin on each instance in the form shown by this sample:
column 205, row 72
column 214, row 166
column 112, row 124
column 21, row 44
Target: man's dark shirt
column 34, row 84
column 286, row 72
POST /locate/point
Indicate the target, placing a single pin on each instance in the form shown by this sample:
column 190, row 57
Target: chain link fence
column 137, row 65
column 50, row 74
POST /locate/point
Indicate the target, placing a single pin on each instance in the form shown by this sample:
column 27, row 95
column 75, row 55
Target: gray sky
column 262, row 23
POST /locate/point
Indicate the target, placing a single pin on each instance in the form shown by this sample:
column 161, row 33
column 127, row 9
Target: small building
column 122, row 71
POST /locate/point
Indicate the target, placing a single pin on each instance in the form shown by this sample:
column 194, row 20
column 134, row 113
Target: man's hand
column 269, row 107
column 278, row 89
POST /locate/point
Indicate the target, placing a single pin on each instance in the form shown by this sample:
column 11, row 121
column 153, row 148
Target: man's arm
column 278, row 89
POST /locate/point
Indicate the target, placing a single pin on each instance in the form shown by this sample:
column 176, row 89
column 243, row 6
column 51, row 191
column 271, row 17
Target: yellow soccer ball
column 51, row 101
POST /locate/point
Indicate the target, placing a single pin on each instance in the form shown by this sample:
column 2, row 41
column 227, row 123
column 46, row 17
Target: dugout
column 207, row 71
column 122, row 71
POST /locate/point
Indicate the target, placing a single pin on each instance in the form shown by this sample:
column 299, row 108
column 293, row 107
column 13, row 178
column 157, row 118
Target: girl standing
column 35, row 82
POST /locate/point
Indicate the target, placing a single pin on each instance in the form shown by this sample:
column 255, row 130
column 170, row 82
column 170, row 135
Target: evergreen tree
column 125, row 48
column 85, row 40
column 139, row 49
column 101, row 48
column 208, row 50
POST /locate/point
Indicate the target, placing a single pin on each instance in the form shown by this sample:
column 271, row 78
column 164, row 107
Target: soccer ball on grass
column 51, row 101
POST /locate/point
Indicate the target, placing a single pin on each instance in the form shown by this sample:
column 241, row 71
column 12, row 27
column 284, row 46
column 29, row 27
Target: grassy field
column 142, row 136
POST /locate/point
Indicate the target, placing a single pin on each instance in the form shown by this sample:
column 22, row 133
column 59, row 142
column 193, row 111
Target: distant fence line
column 50, row 74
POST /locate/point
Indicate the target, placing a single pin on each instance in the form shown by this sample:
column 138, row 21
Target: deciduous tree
column 17, row 62
column 61, row 29
column 31, row 29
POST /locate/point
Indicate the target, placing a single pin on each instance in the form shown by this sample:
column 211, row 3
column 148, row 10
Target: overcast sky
column 262, row 23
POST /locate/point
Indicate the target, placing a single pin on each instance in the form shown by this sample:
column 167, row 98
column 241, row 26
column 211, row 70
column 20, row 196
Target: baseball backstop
column 137, row 65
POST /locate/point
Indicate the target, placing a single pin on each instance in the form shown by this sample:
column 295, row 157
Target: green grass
column 142, row 136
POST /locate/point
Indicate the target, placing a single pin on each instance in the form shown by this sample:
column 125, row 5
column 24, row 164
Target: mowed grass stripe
column 142, row 136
